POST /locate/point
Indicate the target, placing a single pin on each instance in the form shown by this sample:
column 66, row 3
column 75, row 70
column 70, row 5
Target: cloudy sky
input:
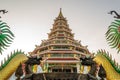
column 31, row 20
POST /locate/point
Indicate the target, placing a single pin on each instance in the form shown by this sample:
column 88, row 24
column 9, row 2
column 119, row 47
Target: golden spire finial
column 60, row 9
column 60, row 14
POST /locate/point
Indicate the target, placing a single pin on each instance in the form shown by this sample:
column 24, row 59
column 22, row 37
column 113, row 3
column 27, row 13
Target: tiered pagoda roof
column 60, row 40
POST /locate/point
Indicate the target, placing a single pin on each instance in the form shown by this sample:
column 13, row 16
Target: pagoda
column 60, row 51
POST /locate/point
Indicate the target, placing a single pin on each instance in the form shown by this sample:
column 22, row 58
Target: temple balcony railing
column 64, row 30
column 61, row 57
column 64, row 44
column 61, row 51
column 61, row 41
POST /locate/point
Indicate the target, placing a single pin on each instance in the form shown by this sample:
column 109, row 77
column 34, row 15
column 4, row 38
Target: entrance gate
column 63, row 69
column 55, row 76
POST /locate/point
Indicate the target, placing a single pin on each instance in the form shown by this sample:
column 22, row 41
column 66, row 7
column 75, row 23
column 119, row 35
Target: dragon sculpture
column 117, row 15
column 3, row 11
column 28, row 68
column 92, row 73
column 9, row 65
column 109, row 68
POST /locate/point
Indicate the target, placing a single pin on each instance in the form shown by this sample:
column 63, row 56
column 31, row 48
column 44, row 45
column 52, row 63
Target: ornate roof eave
column 51, row 51
column 40, row 47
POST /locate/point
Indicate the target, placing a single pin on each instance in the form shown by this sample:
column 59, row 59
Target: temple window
column 68, row 55
column 64, row 41
column 57, row 41
column 60, row 37
column 56, row 55
column 60, row 31
column 60, row 23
